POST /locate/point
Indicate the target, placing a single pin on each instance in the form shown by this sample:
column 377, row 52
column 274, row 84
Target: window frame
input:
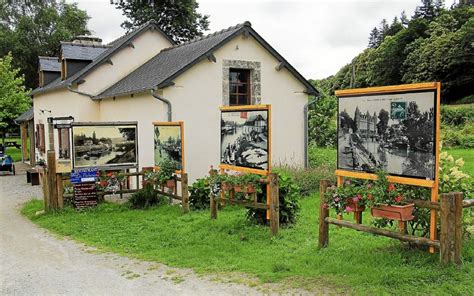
column 237, row 96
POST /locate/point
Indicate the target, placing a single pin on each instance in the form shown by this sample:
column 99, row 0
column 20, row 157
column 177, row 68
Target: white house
column 143, row 76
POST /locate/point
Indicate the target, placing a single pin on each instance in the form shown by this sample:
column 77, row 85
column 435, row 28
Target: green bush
column 145, row 198
column 199, row 195
column 457, row 115
column 289, row 201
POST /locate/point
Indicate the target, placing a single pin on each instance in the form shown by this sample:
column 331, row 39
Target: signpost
column 85, row 192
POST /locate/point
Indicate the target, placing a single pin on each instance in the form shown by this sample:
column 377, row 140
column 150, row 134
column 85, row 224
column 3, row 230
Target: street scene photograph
column 168, row 144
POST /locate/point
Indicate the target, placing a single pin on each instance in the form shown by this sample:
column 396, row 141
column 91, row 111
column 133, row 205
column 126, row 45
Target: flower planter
column 245, row 189
column 354, row 206
column 394, row 212
column 169, row 184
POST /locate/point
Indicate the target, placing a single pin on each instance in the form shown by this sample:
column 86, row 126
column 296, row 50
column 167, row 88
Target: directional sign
column 84, row 175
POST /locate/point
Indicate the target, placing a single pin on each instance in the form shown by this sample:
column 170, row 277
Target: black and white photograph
column 105, row 145
column 244, row 138
column 392, row 132
column 168, row 144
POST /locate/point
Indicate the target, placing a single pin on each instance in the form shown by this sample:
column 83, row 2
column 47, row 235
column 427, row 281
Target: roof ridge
column 48, row 58
column 85, row 45
column 238, row 26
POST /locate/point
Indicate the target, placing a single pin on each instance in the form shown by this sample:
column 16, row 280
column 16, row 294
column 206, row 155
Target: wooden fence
column 449, row 243
column 53, row 187
column 272, row 204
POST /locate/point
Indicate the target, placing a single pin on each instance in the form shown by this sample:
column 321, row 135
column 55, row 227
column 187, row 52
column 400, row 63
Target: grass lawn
column 467, row 155
column 15, row 153
column 354, row 262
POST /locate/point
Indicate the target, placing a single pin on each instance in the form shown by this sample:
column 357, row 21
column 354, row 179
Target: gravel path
column 35, row 262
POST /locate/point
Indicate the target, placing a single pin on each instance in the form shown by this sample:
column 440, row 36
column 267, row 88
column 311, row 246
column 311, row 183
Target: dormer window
column 239, row 87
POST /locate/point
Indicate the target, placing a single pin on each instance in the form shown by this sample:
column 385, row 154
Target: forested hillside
column 435, row 44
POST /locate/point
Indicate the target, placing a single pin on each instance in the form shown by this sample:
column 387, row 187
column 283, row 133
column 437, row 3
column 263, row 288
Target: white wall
column 142, row 108
column 146, row 45
column 62, row 103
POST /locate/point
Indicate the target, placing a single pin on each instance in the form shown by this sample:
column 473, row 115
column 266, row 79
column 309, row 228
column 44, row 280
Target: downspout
column 79, row 92
column 164, row 100
column 306, row 130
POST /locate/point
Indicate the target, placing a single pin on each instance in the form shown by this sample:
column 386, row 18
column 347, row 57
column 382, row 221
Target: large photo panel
column 395, row 132
column 105, row 145
column 169, row 143
column 245, row 138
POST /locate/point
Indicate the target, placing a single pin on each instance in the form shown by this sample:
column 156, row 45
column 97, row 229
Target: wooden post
column 451, row 228
column 402, row 227
column 213, row 207
column 323, row 214
column 60, row 190
column 44, row 182
column 275, row 204
column 51, row 136
column 53, row 193
column 184, row 193
column 358, row 217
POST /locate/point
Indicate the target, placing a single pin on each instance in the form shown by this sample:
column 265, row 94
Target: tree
column 383, row 123
column 32, row 28
column 14, row 99
column 178, row 19
column 374, row 38
column 404, row 19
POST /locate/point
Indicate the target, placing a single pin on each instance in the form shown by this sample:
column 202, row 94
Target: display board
column 393, row 129
column 246, row 137
column 169, row 142
column 85, row 195
column 105, row 145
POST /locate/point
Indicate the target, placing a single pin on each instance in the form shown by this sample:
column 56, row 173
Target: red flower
column 110, row 174
column 399, row 198
column 369, row 196
column 391, row 187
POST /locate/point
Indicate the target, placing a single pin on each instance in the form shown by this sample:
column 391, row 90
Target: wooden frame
column 433, row 184
column 114, row 123
column 268, row 108
column 181, row 125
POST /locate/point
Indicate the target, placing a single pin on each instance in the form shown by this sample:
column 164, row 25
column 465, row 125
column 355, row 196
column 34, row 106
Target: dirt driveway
column 35, row 262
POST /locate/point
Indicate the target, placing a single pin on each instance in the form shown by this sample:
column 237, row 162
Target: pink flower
column 399, row 198
column 391, row 187
column 348, row 182
column 369, row 186
column 348, row 209
column 356, row 199
column 337, row 199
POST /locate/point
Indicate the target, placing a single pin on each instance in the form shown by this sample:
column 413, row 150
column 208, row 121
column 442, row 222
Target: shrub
column 289, row 201
column 145, row 198
column 308, row 179
column 199, row 194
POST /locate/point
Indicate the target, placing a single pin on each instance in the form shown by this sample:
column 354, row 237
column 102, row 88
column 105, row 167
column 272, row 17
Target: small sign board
column 85, row 195
column 84, row 175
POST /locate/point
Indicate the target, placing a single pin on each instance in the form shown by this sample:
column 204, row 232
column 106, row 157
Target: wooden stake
column 184, row 193
column 60, row 190
column 275, row 204
column 451, row 228
column 53, row 193
column 323, row 214
column 213, row 207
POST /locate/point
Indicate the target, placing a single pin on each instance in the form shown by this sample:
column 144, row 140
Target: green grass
column 354, row 262
column 467, row 155
column 15, row 153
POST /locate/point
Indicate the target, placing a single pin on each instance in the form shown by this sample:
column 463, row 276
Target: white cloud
column 317, row 37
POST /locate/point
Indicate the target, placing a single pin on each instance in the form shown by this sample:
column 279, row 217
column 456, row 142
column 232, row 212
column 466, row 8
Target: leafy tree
column 178, row 19
column 32, row 28
column 322, row 117
column 14, row 99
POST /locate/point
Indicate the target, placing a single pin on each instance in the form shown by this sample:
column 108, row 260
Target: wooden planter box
column 245, row 189
column 355, row 206
column 394, row 212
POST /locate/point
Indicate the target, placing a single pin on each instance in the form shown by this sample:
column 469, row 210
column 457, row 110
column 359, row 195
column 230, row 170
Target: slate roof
column 76, row 51
column 50, row 64
column 26, row 116
column 101, row 58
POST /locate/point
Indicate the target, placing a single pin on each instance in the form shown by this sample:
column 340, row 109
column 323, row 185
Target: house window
column 64, row 148
column 239, row 87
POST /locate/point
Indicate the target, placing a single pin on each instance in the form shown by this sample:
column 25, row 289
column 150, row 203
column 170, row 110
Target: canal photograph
column 392, row 132
column 244, row 138
column 104, row 145
column 168, row 144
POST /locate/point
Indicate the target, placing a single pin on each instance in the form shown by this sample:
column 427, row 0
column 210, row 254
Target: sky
column 317, row 37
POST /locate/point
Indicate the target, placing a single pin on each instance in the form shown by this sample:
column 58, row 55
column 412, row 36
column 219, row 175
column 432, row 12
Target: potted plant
column 247, row 183
column 387, row 201
column 347, row 198
column 165, row 175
